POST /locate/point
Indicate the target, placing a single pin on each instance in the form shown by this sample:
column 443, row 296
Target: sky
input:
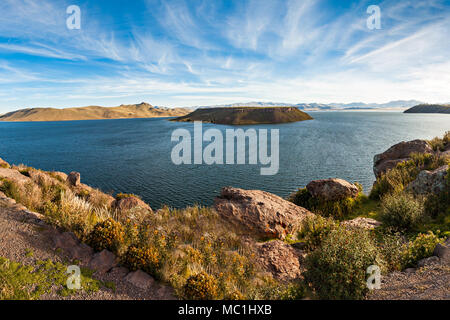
column 184, row 53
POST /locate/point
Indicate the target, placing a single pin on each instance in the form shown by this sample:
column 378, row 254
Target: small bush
column 83, row 193
column 439, row 204
column 398, row 178
column 146, row 259
column 121, row 196
column 421, row 247
column 107, row 234
column 315, row 229
column 337, row 270
column 4, row 165
column 439, row 144
column 26, row 194
column 25, row 172
column 9, row 188
column 401, row 211
column 337, row 209
column 392, row 248
column 201, row 286
column 235, row 295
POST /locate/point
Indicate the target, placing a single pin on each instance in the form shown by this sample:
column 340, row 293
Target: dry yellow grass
column 142, row 110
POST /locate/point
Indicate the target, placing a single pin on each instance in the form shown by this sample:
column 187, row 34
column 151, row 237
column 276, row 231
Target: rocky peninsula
column 429, row 108
column 246, row 115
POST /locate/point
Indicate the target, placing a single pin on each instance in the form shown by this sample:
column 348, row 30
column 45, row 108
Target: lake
column 134, row 155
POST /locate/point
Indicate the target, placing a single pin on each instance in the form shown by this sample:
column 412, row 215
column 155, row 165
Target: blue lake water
column 134, row 155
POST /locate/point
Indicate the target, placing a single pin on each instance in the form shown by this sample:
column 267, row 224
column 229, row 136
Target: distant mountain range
column 399, row 104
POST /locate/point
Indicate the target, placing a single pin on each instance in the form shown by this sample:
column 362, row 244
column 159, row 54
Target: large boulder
column 280, row 259
column 430, row 181
column 13, row 175
column 129, row 203
column 74, row 179
column 262, row 213
column 61, row 176
column 443, row 252
column 103, row 261
column 41, row 178
column 332, row 189
column 426, row 262
column 140, row 279
column 398, row 153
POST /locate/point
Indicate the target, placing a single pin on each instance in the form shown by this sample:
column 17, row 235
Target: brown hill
column 246, row 115
column 142, row 110
column 429, row 108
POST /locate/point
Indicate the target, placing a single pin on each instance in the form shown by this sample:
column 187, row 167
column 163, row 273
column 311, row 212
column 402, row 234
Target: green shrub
column 107, row 234
column 201, row 286
column 392, row 248
column 337, row 270
column 293, row 291
column 235, row 295
column 401, row 211
column 146, row 259
column 4, row 165
column 398, row 178
column 9, row 188
column 315, row 229
column 121, row 196
column 83, row 193
column 436, row 204
column 337, row 209
column 421, row 247
column 394, row 180
column 439, row 144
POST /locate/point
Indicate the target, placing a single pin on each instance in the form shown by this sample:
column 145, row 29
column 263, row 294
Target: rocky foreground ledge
column 27, row 239
column 253, row 216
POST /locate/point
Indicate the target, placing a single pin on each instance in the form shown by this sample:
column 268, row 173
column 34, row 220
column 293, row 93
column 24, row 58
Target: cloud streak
column 180, row 53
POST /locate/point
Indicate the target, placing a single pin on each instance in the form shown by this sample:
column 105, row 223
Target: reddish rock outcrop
column 13, row 175
column 398, row 153
column 130, row 203
column 61, row 175
column 140, row 279
column 103, row 261
column 332, row 189
column 280, row 259
column 74, row 178
column 263, row 214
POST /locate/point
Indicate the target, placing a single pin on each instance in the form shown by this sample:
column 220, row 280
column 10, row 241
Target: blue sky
column 188, row 53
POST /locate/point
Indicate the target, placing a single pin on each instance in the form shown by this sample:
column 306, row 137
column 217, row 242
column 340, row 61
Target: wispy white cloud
column 181, row 54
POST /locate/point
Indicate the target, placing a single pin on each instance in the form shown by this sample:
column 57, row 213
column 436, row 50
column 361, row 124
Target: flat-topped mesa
column 246, row 115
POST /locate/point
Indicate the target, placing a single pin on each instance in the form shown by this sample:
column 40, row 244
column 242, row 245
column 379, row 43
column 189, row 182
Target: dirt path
column 26, row 239
column 427, row 283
